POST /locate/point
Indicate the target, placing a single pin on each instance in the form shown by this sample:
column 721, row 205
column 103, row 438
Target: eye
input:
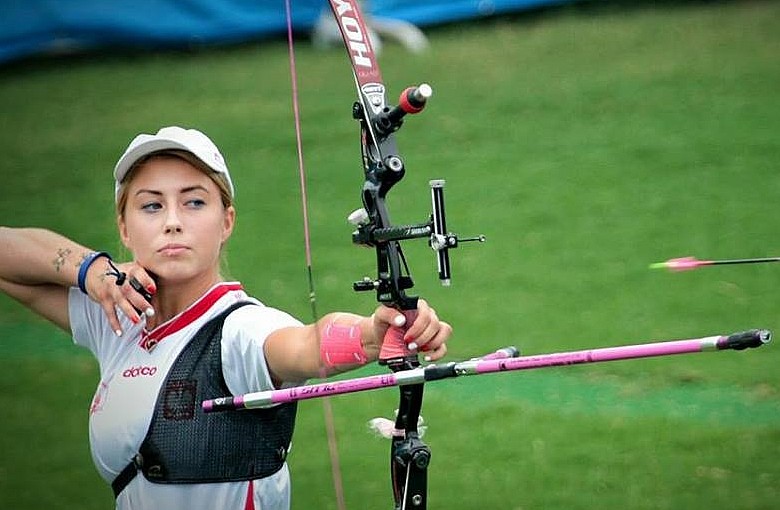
column 151, row 206
column 195, row 203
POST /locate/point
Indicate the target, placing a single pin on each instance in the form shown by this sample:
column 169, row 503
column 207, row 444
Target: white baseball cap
column 172, row 137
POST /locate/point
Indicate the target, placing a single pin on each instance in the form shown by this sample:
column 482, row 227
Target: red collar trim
column 149, row 339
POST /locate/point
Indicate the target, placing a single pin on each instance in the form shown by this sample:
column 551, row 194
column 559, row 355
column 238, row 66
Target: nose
column 172, row 223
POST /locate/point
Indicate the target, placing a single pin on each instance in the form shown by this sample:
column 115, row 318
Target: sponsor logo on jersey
column 139, row 372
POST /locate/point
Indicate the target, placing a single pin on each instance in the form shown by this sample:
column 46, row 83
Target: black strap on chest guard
column 185, row 445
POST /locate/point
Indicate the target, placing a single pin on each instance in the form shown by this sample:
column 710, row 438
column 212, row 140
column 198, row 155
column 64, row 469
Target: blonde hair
column 218, row 178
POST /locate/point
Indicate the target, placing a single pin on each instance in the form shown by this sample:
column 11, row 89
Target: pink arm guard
column 342, row 345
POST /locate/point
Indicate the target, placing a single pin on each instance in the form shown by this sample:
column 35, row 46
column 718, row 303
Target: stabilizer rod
column 503, row 360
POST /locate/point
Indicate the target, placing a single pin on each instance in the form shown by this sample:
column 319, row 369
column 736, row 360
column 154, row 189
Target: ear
column 229, row 223
column 122, row 227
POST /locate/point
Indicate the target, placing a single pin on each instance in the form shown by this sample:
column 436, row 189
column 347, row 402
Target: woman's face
column 174, row 222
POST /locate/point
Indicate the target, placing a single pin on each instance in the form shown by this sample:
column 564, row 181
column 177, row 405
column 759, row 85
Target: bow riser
column 383, row 168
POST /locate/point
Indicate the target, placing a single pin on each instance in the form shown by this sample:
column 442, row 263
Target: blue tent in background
column 32, row 27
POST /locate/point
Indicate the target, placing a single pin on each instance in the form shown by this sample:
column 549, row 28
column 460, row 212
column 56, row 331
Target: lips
column 172, row 250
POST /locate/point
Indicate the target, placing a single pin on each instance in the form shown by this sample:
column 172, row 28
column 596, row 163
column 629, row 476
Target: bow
column 384, row 167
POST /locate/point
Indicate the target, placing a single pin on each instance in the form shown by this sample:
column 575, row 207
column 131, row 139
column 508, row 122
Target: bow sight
column 382, row 171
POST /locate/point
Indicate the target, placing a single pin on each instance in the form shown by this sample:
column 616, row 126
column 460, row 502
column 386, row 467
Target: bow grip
column 394, row 347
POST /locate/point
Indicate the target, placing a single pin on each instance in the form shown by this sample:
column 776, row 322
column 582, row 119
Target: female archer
column 168, row 332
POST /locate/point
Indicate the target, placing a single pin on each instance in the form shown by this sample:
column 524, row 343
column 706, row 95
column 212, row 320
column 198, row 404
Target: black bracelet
column 85, row 264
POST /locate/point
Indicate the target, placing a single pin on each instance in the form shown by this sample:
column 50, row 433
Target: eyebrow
column 188, row 189
column 197, row 187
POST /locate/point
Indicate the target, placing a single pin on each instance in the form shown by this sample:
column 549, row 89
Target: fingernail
column 149, row 312
column 412, row 346
column 135, row 319
column 151, row 289
column 399, row 320
column 427, row 358
column 118, row 332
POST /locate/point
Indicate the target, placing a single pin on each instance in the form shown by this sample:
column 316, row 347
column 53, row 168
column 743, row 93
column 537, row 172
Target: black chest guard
column 186, row 445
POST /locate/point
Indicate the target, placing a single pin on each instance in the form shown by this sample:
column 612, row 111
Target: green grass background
column 585, row 143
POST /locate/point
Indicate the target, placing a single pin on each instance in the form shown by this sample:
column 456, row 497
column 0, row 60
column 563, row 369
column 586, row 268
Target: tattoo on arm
column 62, row 256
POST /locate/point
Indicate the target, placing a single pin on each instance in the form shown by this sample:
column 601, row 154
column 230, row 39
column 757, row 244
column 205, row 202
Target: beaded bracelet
column 85, row 264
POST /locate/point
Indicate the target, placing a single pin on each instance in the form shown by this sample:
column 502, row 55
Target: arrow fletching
column 681, row 264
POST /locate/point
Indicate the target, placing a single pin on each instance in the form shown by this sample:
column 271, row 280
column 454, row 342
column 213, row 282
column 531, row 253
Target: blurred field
column 584, row 142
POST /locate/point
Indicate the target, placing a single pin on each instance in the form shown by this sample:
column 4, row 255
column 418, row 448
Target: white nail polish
column 118, row 332
column 427, row 358
column 149, row 312
column 412, row 346
column 399, row 320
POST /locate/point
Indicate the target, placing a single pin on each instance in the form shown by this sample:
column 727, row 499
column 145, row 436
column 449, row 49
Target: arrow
column 689, row 263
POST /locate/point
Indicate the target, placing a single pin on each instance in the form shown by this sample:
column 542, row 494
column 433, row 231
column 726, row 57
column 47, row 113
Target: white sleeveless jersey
column 132, row 370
